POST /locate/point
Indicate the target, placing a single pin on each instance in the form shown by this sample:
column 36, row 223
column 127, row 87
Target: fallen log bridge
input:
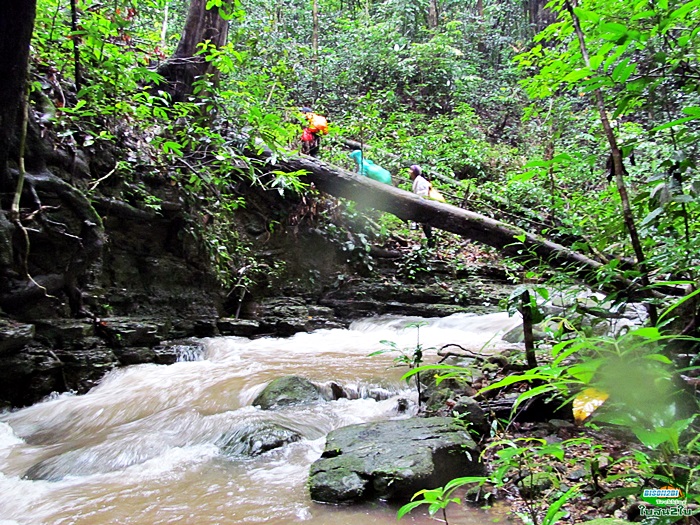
column 510, row 240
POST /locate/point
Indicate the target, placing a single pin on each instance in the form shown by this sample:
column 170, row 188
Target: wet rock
column 206, row 328
column 135, row 355
column 14, row 336
column 30, row 375
column 516, row 335
column 472, row 415
column 391, row 460
column 283, row 316
column 83, row 369
column 414, row 299
column 239, row 327
column 559, row 424
column 166, row 354
column 173, row 351
column 256, row 438
column 333, row 391
column 578, row 474
column 64, row 332
column 536, row 483
column 289, row 316
column 323, row 317
column 123, row 332
column 286, row 391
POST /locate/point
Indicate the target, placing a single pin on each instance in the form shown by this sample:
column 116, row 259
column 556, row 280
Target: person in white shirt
column 421, row 187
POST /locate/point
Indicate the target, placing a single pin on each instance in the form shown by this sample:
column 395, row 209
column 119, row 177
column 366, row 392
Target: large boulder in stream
column 287, row 391
column 391, row 460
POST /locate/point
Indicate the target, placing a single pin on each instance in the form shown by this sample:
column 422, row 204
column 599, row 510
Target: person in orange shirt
column 316, row 125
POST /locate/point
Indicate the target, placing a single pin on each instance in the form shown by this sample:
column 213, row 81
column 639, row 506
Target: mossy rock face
column 391, row 460
column 288, row 391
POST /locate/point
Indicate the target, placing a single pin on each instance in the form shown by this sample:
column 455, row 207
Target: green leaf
column 622, row 492
column 554, row 514
column 644, row 14
column 586, row 15
column 650, row 438
column 459, row 482
column 533, row 392
column 682, row 198
column 692, row 110
column 577, row 74
column 673, row 123
column 538, row 164
column 623, row 71
column 613, row 27
column 651, row 216
column 622, row 106
column 685, row 9
column 408, row 507
column 175, row 147
column 650, row 332
column 660, row 358
column 512, row 379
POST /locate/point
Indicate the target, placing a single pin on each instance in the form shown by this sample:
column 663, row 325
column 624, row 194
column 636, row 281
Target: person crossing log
column 510, row 240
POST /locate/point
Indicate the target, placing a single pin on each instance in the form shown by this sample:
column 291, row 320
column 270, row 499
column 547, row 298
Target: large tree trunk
column 185, row 66
column 510, row 240
column 433, row 14
column 16, row 26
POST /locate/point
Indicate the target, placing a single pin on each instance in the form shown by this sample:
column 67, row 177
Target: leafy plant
column 412, row 358
column 415, row 263
column 440, row 498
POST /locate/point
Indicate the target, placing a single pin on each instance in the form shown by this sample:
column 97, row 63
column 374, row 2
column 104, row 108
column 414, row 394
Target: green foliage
column 643, row 395
column 440, row 498
column 531, row 463
column 412, row 358
column 415, row 263
column 527, row 462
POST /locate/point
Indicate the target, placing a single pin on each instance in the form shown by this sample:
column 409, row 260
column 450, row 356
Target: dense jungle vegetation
column 577, row 120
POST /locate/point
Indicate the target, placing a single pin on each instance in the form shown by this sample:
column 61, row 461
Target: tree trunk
column 76, row 46
column 539, row 16
column 16, row 26
column 618, row 167
column 512, row 241
column 528, row 336
column 433, row 14
column 185, row 66
column 314, row 40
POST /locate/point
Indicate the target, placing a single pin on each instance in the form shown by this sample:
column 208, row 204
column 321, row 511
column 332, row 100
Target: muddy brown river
column 141, row 447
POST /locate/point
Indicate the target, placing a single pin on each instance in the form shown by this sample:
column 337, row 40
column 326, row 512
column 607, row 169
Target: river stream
column 143, row 448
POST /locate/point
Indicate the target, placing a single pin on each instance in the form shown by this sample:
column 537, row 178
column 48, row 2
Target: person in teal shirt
column 369, row 169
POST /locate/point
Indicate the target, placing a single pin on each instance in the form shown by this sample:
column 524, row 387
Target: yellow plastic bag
column 435, row 195
column 586, row 402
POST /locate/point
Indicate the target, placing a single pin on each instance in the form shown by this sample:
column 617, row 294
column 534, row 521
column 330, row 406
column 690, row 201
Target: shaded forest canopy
column 518, row 125
column 565, row 134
